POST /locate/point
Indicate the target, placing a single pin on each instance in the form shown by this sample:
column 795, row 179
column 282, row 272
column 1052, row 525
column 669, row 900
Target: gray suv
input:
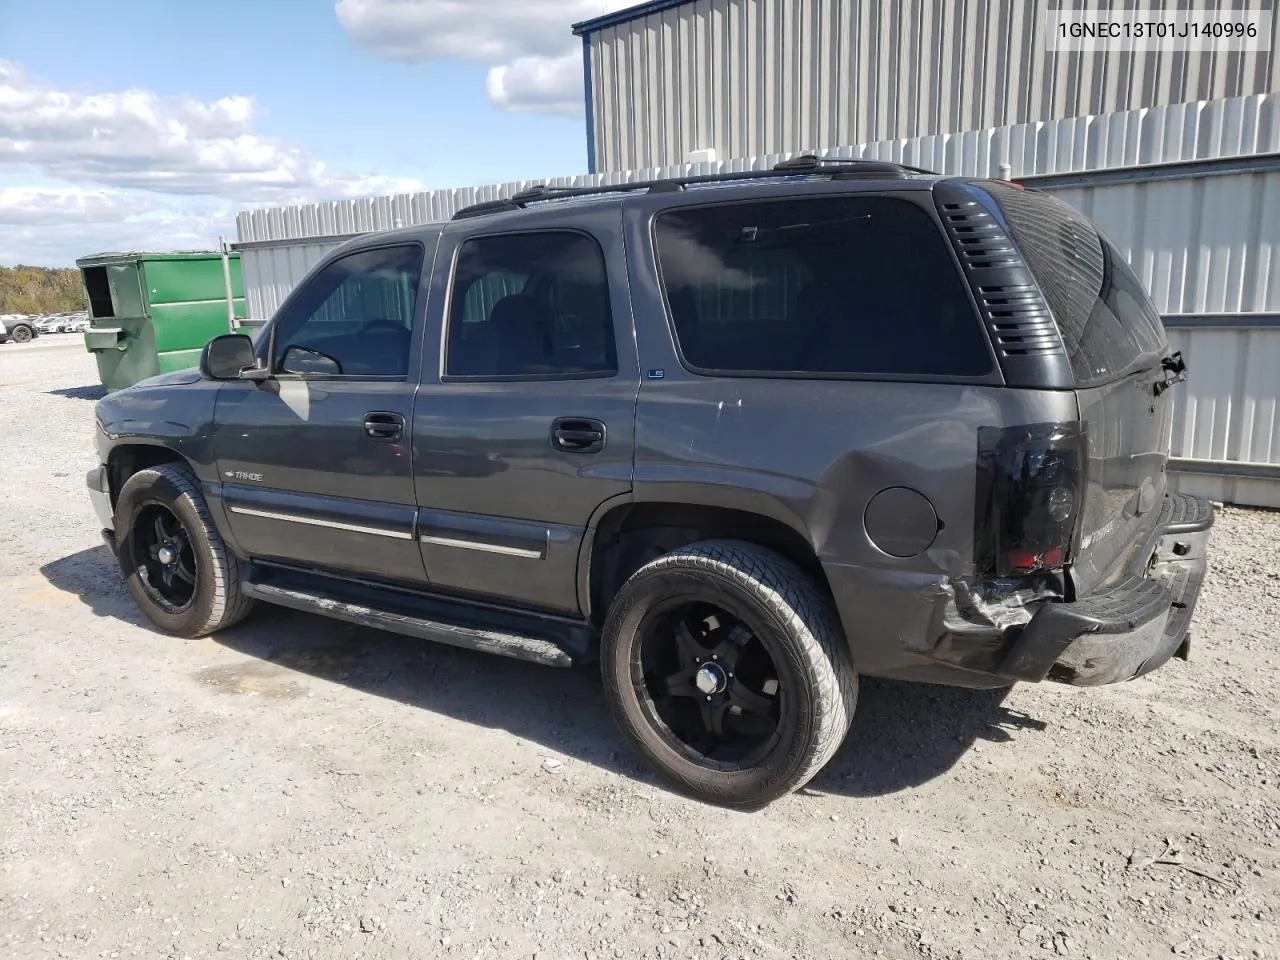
column 739, row 438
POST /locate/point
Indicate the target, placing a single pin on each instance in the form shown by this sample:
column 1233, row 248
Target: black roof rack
column 836, row 168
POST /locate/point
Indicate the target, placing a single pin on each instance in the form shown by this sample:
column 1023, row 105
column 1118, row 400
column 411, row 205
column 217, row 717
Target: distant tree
column 40, row 290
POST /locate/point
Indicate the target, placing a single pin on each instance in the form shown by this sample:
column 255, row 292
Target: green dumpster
column 152, row 313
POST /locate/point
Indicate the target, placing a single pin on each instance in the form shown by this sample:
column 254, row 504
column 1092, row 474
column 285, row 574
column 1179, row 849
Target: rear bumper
column 1131, row 629
column 907, row 626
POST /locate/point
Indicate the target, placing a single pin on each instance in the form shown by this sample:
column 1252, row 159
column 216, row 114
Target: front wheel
column 725, row 666
column 180, row 573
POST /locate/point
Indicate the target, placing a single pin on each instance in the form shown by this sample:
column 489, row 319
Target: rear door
column 1116, row 344
column 524, row 423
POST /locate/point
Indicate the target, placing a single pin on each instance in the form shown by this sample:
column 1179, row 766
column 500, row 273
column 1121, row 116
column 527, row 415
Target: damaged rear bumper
column 1131, row 629
column 920, row 627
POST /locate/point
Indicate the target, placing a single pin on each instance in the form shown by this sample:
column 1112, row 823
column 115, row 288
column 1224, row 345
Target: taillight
column 1030, row 492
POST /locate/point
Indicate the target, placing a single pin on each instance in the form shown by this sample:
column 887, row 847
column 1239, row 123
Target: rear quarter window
column 831, row 286
column 1107, row 320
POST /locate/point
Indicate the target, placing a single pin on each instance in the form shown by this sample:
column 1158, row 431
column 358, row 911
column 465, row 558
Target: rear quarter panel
column 814, row 453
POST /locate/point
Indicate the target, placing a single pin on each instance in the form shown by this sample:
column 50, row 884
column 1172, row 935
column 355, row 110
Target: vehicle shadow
column 94, row 392
column 903, row 735
column 906, row 734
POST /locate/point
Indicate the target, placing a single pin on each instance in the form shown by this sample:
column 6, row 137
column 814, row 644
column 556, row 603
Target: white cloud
column 51, row 226
column 488, row 31
column 141, row 170
column 538, row 85
column 535, row 62
column 135, row 139
column 49, row 206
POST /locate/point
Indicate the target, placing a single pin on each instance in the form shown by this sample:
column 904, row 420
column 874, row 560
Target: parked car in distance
column 19, row 329
column 70, row 322
column 740, row 438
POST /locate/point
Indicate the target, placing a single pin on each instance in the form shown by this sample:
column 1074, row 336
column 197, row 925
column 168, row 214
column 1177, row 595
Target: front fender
column 172, row 411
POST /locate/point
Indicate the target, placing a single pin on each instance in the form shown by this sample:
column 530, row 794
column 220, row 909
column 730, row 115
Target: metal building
column 668, row 78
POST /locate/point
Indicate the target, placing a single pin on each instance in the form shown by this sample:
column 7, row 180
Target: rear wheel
column 22, row 333
column 175, row 564
column 726, row 668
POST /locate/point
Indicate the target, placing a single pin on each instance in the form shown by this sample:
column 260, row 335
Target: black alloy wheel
column 164, row 557
column 708, row 685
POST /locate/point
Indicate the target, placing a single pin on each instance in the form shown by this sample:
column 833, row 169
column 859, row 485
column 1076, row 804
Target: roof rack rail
column 806, row 165
column 811, row 161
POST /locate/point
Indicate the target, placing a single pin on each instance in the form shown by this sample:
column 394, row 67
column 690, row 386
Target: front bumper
column 100, row 496
column 1131, row 629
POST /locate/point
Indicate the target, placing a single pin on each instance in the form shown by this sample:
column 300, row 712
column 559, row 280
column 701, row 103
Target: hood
column 173, row 378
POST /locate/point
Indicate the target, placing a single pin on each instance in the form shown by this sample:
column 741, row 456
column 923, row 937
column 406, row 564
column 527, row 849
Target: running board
column 503, row 643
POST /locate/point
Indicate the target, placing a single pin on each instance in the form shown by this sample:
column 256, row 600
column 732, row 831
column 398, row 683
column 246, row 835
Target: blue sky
column 150, row 122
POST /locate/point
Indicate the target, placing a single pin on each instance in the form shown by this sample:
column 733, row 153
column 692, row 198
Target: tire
column 215, row 598
column 792, row 620
column 22, row 334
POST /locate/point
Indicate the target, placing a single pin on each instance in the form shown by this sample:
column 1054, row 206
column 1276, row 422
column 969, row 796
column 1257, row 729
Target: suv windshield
column 837, row 286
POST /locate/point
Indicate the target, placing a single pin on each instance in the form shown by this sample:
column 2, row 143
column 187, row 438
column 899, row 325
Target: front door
column 315, row 461
column 525, row 420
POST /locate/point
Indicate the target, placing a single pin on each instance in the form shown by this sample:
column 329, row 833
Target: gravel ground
column 300, row 788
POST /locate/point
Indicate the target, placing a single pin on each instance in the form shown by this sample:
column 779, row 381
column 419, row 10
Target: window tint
column 354, row 317
column 1106, row 319
column 530, row 304
column 845, row 285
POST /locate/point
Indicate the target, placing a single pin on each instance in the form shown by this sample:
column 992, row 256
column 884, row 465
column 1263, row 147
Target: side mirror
column 224, row 357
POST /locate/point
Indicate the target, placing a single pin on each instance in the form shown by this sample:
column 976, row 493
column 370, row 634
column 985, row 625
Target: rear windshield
column 837, row 286
column 1107, row 321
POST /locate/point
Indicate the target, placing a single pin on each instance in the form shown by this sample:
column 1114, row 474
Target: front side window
column 530, row 305
column 837, row 286
column 354, row 318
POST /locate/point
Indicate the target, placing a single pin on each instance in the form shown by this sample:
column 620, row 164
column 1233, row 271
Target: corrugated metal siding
column 271, row 272
column 1208, row 245
column 748, row 78
column 1183, row 132
column 1228, row 411
column 1203, row 130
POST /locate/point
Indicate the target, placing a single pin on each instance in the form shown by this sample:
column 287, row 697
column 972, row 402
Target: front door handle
column 578, row 435
column 384, row 427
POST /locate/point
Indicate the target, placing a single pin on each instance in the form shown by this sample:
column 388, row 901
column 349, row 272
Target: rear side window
column 1107, row 321
column 530, row 305
column 837, row 285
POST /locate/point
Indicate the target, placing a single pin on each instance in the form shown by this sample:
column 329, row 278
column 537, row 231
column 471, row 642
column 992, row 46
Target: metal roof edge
column 332, row 238
column 585, row 27
column 118, row 255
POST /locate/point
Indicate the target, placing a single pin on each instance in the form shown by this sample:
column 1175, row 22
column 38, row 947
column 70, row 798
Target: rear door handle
column 578, row 435
column 384, row 427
